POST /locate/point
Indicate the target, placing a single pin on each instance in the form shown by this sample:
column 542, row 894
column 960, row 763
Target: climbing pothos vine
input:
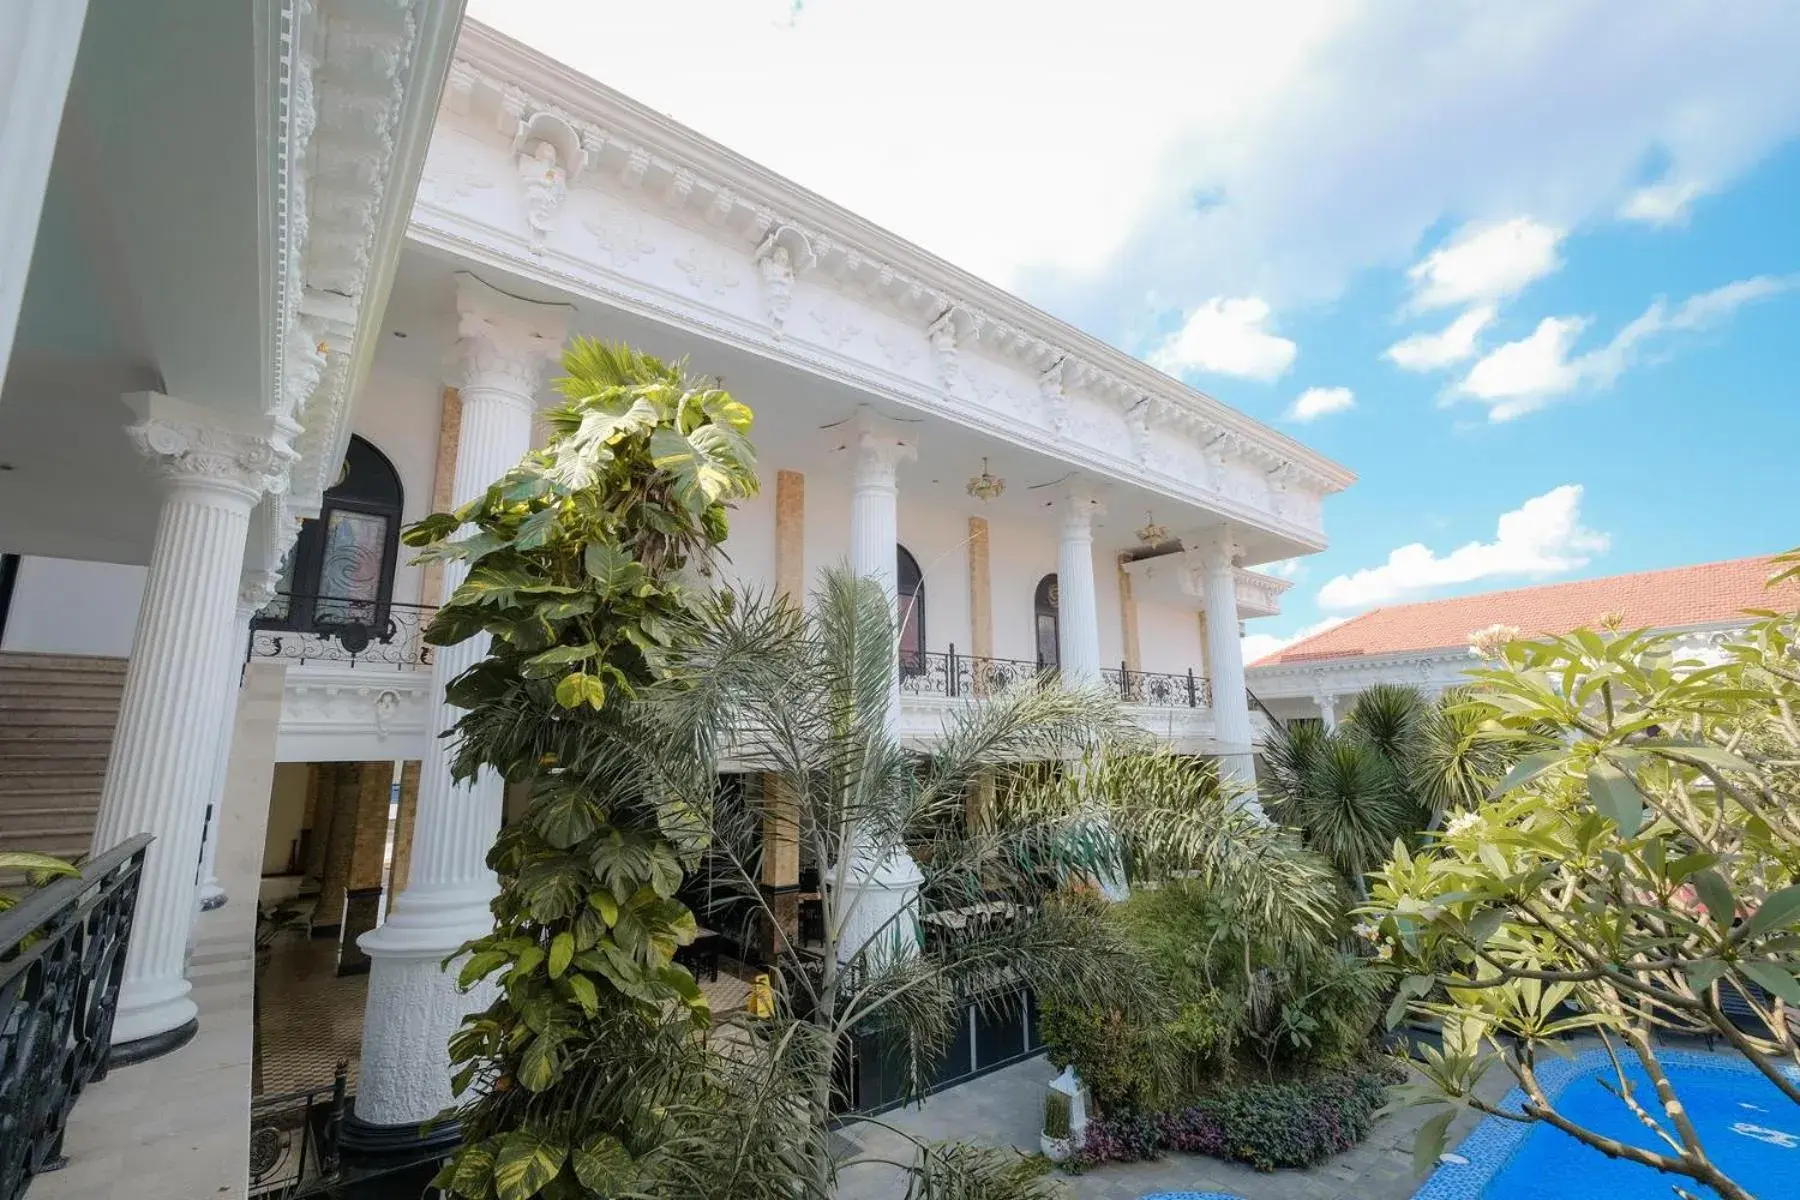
column 581, row 560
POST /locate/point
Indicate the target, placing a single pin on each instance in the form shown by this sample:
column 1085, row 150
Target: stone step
column 60, row 733
column 16, row 820
column 65, row 689
column 19, row 779
column 30, row 757
column 14, row 662
column 57, row 714
column 66, row 844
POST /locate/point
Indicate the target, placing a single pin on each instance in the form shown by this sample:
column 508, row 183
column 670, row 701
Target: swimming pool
column 1749, row 1128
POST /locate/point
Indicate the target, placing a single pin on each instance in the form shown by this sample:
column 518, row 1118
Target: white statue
column 546, row 183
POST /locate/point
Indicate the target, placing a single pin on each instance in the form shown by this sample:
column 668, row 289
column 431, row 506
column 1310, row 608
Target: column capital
column 256, row 587
column 1079, row 508
column 188, row 443
column 504, row 343
column 1214, row 549
column 881, row 446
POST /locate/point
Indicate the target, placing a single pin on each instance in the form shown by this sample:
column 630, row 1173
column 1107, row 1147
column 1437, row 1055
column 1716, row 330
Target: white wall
column 1169, row 639
column 399, row 412
column 61, row 606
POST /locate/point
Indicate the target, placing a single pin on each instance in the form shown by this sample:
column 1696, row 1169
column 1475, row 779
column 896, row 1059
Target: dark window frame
column 369, row 486
column 1043, row 609
column 906, row 569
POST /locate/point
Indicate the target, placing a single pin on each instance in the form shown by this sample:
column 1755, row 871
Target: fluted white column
column 881, row 880
column 1077, row 611
column 255, row 589
column 413, row 1006
column 1225, row 651
column 165, row 750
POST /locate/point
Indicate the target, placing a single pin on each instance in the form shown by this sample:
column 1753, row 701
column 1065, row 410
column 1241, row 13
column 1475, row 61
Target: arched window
column 909, row 586
column 1049, row 657
column 341, row 569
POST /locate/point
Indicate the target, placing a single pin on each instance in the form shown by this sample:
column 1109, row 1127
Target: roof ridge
column 1568, row 583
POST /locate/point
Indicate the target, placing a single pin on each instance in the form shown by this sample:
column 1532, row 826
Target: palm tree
column 1390, row 770
column 1066, row 795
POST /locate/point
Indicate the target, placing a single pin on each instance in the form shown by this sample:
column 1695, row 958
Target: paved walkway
column 1005, row 1108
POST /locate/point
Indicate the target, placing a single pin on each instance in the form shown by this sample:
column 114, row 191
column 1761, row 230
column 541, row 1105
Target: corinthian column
column 164, row 761
column 1217, row 587
column 880, row 881
column 1077, row 612
column 413, row 1006
column 255, row 589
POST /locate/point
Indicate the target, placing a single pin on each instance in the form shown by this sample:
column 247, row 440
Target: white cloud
column 1544, row 536
column 1434, row 351
column 1534, row 372
column 1286, row 568
column 1327, row 138
column 1661, row 204
column 1485, row 262
column 1227, row 337
column 1316, row 402
column 1261, row 645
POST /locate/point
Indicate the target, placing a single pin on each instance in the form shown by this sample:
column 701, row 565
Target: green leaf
column 526, row 1164
column 1779, row 910
column 558, row 656
column 1616, row 797
column 603, row 1166
column 480, row 965
column 562, row 949
column 605, row 905
column 1411, row 988
column 1702, row 973
column 1527, row 769
column 1774, row 979
column 537, row 528
column 611, row 568
column 1428, row 1145
column 492, row 585
column 39, row 864
column 541, row 1064
column 563, row 816
column 1715, row 893
column 472, row 1171
column 574, row 690
column 585, row 993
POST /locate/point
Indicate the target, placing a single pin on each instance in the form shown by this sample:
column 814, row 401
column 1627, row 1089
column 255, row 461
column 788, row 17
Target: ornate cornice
column 1259, row 595
column 694, row 181
column 355, row 94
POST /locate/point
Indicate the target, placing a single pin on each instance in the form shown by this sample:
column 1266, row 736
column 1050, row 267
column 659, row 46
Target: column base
column 398, row 1143
column 211, row 896
column 123, row 1054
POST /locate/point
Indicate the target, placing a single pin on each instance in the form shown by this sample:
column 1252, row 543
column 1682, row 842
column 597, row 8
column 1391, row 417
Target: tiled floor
column 310, row 1018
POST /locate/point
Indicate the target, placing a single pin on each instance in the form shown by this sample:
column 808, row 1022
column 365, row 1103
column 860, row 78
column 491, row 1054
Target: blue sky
column 1585, row 216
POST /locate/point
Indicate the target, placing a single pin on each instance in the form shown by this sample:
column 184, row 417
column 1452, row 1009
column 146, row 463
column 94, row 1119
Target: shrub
column 1296, row 1122
column 1056, row 1114
column 1124, row 1061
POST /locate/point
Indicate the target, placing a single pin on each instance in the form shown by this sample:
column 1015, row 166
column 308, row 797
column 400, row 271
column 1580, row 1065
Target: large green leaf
column 1779, row 911
column 563, row 816
column 1615, row 797
column 542, row 1063
column 603, row 1166
column 1774, row 978
column 526, row 1164
column 562, row 949
column 1428, row 1144
column 1715, row 893
column 471, row 1172
column 614, row 571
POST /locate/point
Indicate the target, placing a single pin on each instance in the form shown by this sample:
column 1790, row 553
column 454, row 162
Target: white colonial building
column 276, row 282
column 1427, row 645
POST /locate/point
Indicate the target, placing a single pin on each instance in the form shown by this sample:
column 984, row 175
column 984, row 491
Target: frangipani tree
column 1637, row 872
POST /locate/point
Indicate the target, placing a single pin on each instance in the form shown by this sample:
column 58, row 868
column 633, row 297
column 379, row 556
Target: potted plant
column 1055, row 1140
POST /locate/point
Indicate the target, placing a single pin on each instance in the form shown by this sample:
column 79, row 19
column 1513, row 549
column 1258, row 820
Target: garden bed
column 1295, row 1122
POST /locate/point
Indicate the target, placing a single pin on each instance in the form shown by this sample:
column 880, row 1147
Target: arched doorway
column 909, row 587
column 1047, row 630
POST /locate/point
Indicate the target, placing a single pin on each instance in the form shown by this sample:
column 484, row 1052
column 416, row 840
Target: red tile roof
column 1709, row 594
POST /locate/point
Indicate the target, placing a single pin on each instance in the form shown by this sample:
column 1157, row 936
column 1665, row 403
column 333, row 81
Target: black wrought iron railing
column 1257, row 704
column 332, row 629
column 1156, row 689
column 949, row 674
column 294, row 1139
column 62, row 956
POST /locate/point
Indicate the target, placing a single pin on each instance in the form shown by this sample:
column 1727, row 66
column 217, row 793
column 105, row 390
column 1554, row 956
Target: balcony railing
column 951, row 675
column 62, row 956
column 301, row 628
column 1157, row 690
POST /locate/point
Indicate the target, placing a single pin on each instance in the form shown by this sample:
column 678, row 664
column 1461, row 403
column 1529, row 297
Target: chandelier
column 985, row 486
column 1150, row 533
